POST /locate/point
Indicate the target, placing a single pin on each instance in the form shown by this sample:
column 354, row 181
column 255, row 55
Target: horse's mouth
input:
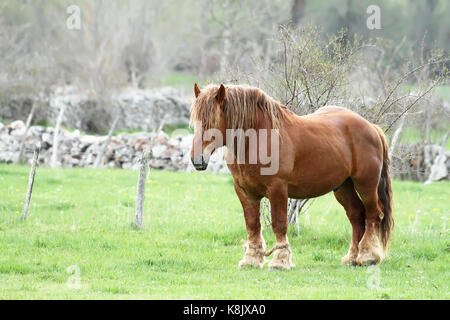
column 199, row 163
column 201, row 167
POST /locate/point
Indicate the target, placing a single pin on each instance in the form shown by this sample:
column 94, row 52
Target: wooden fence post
column 24, row 137
column 30, row 183
column 105, row 145
column 140, row 192
column 54, row 158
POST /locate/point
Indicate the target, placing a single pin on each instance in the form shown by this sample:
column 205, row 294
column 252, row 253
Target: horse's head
column 209, row 123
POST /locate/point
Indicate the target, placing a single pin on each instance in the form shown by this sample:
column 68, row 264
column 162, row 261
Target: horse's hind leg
column 255, row 247
column 282, row 254
column 369, row 249
column 354, row 208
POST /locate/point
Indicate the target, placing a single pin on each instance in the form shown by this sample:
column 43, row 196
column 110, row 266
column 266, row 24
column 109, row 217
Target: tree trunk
column 297, row 11
column 427, row 125
column 30, row 183
column 99, row 158
column 269, row 50
column 54, row 160
column 396, row 136
column 226, row 37
column 24, row 137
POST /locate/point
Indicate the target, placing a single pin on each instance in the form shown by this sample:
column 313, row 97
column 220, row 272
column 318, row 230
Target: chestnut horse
column 332, row 149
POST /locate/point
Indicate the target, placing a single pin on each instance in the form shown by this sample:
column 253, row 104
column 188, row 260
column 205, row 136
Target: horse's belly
column 296, row 192
column 309, row 186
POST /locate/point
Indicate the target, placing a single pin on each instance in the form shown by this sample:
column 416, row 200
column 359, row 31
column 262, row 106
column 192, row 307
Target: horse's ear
column 196, row 90
column 221, row 94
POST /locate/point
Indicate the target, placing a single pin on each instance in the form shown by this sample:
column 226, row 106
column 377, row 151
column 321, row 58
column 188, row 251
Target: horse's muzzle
column 199, row 163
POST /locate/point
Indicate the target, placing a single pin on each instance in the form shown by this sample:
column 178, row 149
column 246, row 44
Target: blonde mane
column 240, row 108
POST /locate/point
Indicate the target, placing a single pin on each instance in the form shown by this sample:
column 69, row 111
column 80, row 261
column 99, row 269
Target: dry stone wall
column 79, row 150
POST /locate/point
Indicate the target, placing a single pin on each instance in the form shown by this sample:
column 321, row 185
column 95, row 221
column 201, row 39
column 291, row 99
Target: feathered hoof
column 282, row 259
column 252, row 262
column 253, row 257
column 349, row 258
column 367, row 258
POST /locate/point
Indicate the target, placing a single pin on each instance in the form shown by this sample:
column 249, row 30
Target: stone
column 79, row 150
column 17, row 125
column 158, row 151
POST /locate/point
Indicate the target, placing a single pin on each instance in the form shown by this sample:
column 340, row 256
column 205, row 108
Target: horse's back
column 328, row 109
column 342, row 118
column 331, row 110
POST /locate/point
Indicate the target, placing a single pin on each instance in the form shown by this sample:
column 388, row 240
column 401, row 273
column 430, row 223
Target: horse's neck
column 264, row 122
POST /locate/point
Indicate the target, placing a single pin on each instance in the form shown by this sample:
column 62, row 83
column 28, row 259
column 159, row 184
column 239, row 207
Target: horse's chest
column 250, row 184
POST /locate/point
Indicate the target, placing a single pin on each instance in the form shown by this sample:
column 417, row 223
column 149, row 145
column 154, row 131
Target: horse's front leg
column 282, row 254
column 255, row 247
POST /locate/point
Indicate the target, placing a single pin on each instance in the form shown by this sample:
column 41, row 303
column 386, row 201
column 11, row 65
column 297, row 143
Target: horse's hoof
column 368, row 259
column 246, row 264
column 367, row 262
column 256, row 261
column 280, row 265
column 282, row 259
column 349, row 259
column 253, row 256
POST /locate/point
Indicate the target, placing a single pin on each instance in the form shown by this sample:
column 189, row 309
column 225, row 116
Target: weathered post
column 105, row 145
column 54, row 159
column 140, row 192
column 24, row 137
column 162, row 124
column 30, row 183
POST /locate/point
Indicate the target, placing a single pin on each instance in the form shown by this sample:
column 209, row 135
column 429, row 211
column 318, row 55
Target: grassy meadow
column 78, row 243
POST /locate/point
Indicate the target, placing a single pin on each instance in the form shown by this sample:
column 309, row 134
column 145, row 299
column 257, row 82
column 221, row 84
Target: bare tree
column 243, row 30
column 396, row 136
column 307, row 70
column 24, row 73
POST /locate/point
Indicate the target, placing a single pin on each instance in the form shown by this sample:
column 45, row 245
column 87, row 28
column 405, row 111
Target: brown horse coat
column 333, row 149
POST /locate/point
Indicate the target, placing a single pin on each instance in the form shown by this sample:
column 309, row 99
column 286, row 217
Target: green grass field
column 78, row 243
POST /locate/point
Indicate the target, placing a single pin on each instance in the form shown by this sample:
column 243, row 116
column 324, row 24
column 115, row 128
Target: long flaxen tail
column 385, row 194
